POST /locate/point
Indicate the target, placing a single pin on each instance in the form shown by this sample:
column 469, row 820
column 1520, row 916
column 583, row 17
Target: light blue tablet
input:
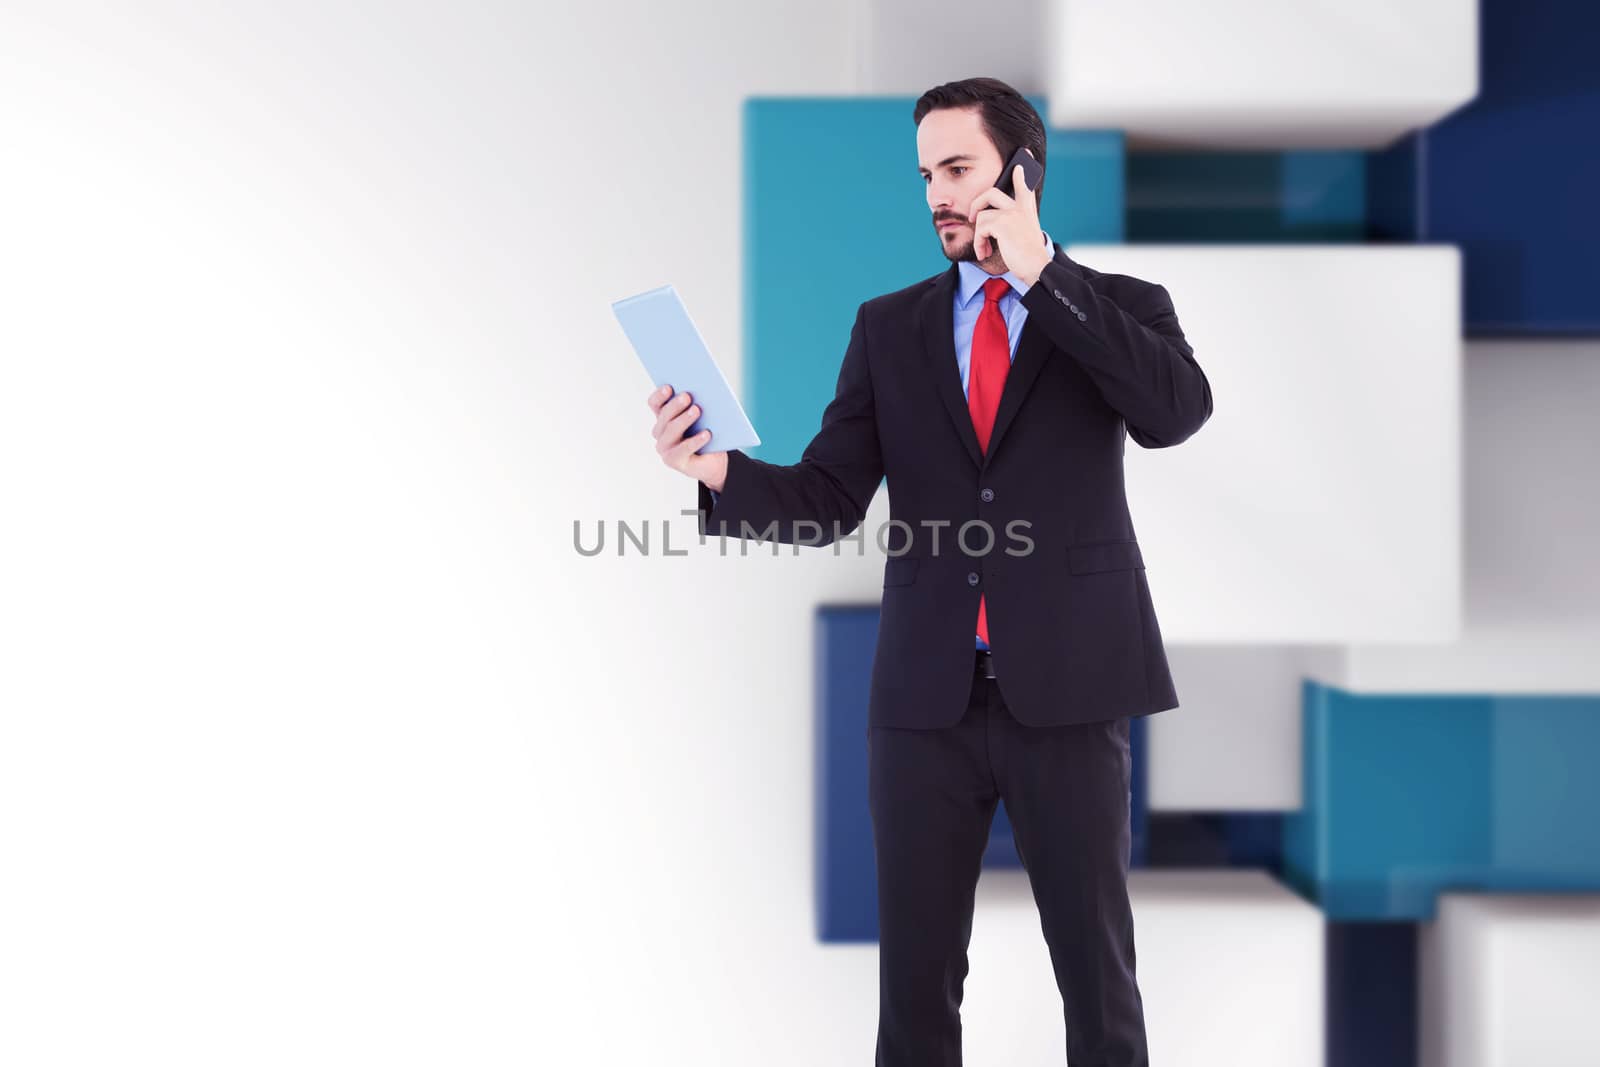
column 672, row 350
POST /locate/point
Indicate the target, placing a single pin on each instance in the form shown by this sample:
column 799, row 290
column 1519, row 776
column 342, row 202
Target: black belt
column 985, row 663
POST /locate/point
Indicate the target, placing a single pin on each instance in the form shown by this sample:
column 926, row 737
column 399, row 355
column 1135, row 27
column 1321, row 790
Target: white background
column 320, row 743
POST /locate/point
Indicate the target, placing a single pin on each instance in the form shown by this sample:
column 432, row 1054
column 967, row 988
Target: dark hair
column 1008, row 119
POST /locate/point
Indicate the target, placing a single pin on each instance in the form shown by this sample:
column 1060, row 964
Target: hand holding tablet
column 674, row 413
column 672, row 350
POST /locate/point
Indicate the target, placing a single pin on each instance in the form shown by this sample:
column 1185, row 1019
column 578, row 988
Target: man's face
column 958, row 162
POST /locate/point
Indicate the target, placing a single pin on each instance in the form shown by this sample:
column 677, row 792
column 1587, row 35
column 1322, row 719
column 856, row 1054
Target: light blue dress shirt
column 968, row 305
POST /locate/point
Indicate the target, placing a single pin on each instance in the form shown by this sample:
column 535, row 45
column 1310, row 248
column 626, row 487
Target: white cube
column 1509, row 980
column 1235, row 744
column 1230, row 969
column 1245, row 75
column 1321, row 503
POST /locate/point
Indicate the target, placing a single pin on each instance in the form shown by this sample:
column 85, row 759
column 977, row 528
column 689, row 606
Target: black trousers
column 1067, row 791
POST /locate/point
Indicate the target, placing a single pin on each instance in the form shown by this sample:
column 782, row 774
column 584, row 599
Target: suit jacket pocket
column 1104, row 556
column 900, row 570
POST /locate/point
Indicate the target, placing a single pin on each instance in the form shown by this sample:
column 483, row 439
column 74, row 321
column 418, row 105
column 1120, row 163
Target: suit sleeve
column 824, row 496
column 1143, row 366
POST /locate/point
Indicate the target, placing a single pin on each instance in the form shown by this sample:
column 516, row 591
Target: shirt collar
column 973, row 276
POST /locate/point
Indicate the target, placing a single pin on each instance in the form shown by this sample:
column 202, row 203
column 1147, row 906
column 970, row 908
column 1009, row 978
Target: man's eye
column 958, row 168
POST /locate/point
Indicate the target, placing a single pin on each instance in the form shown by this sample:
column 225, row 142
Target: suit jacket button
column 987, row 495
column 1058, row 294
column 972, row 577
column 1082, row 317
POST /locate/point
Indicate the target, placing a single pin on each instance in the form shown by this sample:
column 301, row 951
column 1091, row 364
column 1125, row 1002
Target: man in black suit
column 1017, row 635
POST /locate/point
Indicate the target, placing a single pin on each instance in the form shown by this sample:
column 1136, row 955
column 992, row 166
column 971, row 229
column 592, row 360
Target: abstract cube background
column 321, row 741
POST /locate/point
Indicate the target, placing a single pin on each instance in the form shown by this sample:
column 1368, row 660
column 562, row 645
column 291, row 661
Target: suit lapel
column 1033, row 348
column 936, row 315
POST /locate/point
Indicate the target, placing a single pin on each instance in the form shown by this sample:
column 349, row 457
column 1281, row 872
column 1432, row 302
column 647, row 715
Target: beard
column 958, row 246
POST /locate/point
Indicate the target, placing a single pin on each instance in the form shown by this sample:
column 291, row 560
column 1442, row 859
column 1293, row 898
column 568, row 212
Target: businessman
column 995, row 396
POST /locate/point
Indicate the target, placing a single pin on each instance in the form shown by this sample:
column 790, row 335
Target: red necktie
column 986, row 378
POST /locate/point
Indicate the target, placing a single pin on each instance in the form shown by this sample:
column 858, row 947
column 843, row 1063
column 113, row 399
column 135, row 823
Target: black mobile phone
column 1032, row 170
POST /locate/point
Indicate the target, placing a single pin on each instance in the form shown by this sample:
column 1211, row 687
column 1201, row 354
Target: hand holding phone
column 1032, row 171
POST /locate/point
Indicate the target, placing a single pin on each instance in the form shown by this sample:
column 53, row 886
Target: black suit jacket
column 1074, row 635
